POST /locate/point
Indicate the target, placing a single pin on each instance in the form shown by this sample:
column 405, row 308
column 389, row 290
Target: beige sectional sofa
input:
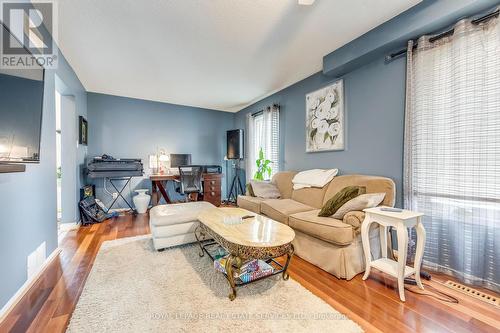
column 328, row 243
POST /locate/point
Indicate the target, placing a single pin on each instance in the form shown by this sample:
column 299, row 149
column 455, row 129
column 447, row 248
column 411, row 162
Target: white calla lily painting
column 325, row 118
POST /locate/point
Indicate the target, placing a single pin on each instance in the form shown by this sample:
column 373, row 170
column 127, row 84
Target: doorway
column 66, row 161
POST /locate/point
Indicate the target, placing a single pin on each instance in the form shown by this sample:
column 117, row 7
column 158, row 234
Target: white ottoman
column 174, row 224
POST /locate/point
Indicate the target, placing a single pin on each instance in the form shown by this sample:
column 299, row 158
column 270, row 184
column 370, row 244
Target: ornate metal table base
column 240, row 253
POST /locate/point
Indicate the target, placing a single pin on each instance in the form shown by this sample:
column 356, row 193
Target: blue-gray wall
column 28, row 200
column 133, row 128
column 374, row 95
column 374, row 105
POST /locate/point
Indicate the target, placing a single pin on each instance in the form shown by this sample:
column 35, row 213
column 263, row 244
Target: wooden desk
column 212, row 184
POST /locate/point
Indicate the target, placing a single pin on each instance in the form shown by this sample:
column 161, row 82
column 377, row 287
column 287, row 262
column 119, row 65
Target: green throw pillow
column 339, row 199
column 250, row 190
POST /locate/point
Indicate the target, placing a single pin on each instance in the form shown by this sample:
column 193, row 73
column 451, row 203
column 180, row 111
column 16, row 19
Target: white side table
column 401, row 221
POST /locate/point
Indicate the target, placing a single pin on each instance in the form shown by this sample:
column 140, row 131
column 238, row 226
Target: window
column 452, row 149
column 263, row 133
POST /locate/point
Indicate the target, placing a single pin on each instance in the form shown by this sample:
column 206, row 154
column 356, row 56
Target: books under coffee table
column 251, row 246
column 251, row 270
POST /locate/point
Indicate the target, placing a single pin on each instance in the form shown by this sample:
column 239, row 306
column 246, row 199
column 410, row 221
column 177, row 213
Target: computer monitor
column 177, row 160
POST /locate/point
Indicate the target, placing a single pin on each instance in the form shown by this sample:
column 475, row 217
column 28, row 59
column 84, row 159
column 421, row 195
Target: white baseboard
column 26, row 286
column 119, row 210
column 69, row 226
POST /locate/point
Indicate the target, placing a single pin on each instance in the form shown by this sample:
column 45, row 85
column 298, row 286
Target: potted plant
column 263, row 166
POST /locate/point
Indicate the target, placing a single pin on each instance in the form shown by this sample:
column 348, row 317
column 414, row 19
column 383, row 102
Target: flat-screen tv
column 21, row 104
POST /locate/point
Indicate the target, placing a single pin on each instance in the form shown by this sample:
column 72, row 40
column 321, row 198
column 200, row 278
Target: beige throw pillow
column 359, row 203
column 249, row 191
column 265, row 190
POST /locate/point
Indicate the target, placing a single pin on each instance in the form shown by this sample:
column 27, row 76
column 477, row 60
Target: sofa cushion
column 312, row 196
column 373, row 184
column 283, row 180
column 325, row 228
column 177, row 213
column 280, row 209
column 250, row 203
column 265, row 189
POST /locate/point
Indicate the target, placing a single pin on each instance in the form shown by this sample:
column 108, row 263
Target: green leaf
column 326, row 136
column 336, row 98
column 262, row 166
column 313, row 133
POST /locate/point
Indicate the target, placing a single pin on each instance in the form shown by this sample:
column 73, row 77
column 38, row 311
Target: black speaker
column 235, row 145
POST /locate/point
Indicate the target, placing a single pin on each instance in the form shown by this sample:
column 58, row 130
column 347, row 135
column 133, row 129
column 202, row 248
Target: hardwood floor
column 374, row 303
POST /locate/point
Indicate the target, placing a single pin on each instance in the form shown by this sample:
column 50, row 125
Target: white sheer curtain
column 452, row 149
column 263, row 132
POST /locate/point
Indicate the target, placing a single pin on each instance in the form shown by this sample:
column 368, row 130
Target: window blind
column 273, row 150
column 263, row 132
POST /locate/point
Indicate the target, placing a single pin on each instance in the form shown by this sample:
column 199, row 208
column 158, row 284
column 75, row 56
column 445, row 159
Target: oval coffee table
column 256, row 237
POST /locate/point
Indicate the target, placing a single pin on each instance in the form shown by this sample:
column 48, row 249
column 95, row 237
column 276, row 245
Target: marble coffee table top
column 258, row 231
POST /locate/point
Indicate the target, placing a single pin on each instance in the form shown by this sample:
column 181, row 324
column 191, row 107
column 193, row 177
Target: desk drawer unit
column 212, row 188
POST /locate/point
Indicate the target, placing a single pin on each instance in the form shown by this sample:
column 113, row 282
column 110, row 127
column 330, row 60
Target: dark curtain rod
column 444, row 34
column 262, row 111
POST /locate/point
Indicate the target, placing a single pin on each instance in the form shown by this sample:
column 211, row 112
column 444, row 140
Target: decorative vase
column 141, row 201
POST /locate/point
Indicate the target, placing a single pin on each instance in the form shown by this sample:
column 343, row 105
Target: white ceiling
column 216, row 54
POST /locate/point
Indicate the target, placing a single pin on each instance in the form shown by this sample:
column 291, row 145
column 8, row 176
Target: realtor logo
column 28, row 34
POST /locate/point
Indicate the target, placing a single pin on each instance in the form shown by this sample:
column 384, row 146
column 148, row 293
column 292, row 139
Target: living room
column 290, row 165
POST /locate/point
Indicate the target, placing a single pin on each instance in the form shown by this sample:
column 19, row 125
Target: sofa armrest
column 354, row 218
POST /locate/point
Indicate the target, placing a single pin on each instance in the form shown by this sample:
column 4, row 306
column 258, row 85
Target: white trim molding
column 69, row 226
column 26, row 286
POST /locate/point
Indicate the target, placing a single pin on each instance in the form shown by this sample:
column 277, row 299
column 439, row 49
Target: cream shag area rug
column 133, row 288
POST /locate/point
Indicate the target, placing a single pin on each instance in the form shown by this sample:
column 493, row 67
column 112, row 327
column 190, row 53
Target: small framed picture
column 84, row 130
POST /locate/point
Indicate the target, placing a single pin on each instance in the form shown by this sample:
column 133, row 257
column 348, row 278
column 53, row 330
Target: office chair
column 190, row 181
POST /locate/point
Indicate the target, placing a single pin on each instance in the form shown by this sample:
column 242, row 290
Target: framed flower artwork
column 325, row 128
